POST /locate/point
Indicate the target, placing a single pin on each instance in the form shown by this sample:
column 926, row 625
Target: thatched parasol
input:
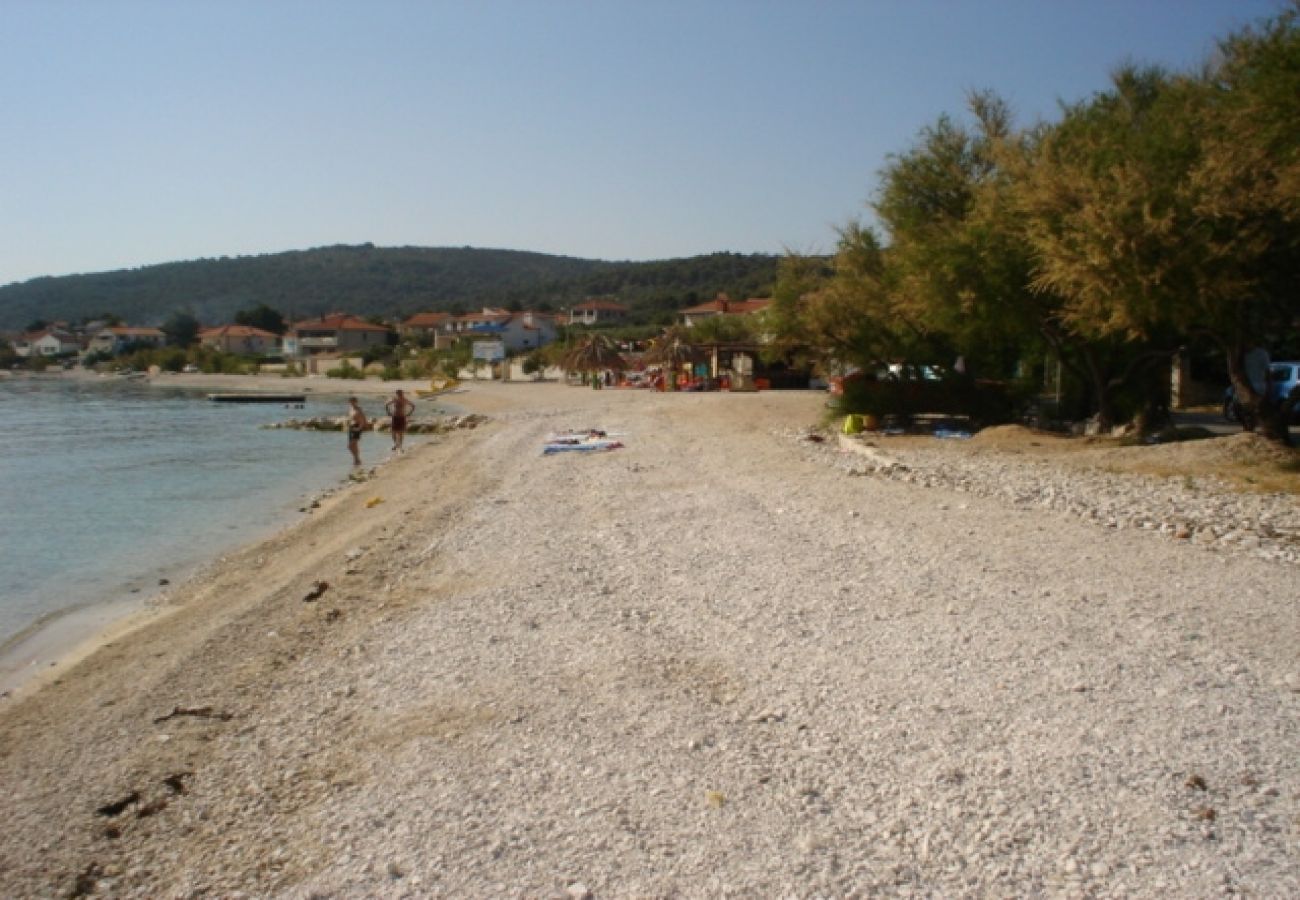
column 594, row 354
column 672, row 350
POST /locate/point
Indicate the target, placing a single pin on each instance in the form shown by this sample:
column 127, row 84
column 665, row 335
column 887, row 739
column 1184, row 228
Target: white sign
column 491, row 351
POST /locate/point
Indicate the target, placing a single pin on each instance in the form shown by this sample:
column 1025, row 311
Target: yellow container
column 853, row 424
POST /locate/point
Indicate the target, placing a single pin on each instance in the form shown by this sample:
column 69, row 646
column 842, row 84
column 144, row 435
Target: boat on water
column 257, row 397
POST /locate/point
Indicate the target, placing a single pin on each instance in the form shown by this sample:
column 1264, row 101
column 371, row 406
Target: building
column 242, row 339
column 519, row 331
column 423, row 325
column 598, row 312
column 51, row 342
column 722, row 305
column 117, row 339
column 334, row 333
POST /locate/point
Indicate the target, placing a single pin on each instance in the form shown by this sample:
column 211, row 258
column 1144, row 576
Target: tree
column 181, row 329
column 842, row 312
column 1149, row 226
column 1245, row 191
column 263, row 317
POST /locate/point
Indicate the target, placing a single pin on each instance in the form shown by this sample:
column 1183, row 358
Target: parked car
column 190, row 369
column 1283, row 382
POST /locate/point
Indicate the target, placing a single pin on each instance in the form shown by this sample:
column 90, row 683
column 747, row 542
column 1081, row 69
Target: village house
column 334, row 333
column 116, row 339
column 598, row 312
column 242, row 339
column 51, row 342
column 518, row 331
column 423, row 325
column 722, row 305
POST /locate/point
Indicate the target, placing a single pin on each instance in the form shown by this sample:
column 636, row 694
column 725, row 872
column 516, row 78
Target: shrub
column 347, row 370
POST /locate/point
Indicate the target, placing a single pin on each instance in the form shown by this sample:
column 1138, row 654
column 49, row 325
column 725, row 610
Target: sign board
column 490, row 351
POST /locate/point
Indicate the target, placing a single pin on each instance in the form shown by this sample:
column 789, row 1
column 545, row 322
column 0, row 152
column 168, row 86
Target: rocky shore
column 417, row 425
column 1202, row 510
column 724, row 660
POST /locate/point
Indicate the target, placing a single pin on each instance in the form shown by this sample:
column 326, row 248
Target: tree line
column 392, row 282
column 1160, row 214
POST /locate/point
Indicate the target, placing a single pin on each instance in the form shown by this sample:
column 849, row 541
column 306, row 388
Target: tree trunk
column 1258, row 414
column 1101, row 390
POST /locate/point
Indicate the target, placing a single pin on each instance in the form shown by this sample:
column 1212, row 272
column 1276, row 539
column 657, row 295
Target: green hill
column 387, row 281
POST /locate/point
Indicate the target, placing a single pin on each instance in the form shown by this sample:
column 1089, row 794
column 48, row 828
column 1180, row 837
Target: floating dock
column 259, row 397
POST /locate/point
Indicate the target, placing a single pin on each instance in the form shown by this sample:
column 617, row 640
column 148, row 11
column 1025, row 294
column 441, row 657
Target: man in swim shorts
column 356, row 423
column 400, row 409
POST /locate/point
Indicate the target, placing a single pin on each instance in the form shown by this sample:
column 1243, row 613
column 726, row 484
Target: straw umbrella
column 594, row 354
column 671, row 350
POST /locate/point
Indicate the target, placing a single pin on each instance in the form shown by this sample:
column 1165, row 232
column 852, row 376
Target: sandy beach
column 723, row 660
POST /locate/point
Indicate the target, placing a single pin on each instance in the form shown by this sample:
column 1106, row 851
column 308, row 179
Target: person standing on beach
column 356, row 423
column 399, row 408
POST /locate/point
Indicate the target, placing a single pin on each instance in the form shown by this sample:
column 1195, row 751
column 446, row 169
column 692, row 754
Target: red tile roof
column 132, row 331
column 236, row 331
column 609, row 305
column 427, row 320
column 337, row 322
column 723, row 304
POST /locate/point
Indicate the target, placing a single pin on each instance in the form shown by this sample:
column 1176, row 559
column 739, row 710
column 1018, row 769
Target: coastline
column 50, row 645
column 712, row 661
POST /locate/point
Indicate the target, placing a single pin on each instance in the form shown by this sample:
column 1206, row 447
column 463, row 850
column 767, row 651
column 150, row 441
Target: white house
column 597, row 312
column 52, row 342
column 519, row 331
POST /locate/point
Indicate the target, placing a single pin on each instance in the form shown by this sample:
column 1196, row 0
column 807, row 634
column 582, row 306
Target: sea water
column 107, row 487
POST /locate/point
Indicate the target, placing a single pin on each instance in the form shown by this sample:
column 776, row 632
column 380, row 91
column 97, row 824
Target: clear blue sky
column 145, row 131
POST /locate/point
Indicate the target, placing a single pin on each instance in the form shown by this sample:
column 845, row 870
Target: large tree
column 1168, row 204
column 181, row 328
column 263, row 317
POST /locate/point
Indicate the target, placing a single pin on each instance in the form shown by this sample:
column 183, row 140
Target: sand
column 712, row 663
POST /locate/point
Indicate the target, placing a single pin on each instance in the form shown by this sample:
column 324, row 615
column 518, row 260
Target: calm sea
column 106, row 487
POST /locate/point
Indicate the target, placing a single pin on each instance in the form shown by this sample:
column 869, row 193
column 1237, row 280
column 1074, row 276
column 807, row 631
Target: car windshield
column 1282, row 372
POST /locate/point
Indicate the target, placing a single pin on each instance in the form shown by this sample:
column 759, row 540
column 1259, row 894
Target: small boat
column 435, row 388
column 257, row 397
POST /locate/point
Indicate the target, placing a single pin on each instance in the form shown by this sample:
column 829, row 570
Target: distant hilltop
column 385, row 281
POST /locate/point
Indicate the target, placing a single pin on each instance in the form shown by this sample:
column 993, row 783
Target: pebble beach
column 732, row 658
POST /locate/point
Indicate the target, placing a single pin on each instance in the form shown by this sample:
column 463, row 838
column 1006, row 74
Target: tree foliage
column 1162, row 211
column 263, row 317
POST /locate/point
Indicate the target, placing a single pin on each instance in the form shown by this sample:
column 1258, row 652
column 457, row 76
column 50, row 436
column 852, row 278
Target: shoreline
column 57, row 640
column 712, row 661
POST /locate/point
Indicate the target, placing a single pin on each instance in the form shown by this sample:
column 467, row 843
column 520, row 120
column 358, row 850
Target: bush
column 347, row 370
column 984, row 402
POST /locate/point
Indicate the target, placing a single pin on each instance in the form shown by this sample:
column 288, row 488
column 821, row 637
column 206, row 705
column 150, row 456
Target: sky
column 146, row 131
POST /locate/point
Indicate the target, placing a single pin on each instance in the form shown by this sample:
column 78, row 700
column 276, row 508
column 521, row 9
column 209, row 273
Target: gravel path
column 708, row 664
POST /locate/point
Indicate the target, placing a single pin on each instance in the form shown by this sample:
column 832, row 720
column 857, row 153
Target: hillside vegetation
column 369, row 280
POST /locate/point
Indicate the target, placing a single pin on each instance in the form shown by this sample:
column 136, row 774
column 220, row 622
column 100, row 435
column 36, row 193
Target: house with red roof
column 598, row 311
column 242, row 339
column 425, row 324
column 47, row 342
column 334, row 333
column 722, row 305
